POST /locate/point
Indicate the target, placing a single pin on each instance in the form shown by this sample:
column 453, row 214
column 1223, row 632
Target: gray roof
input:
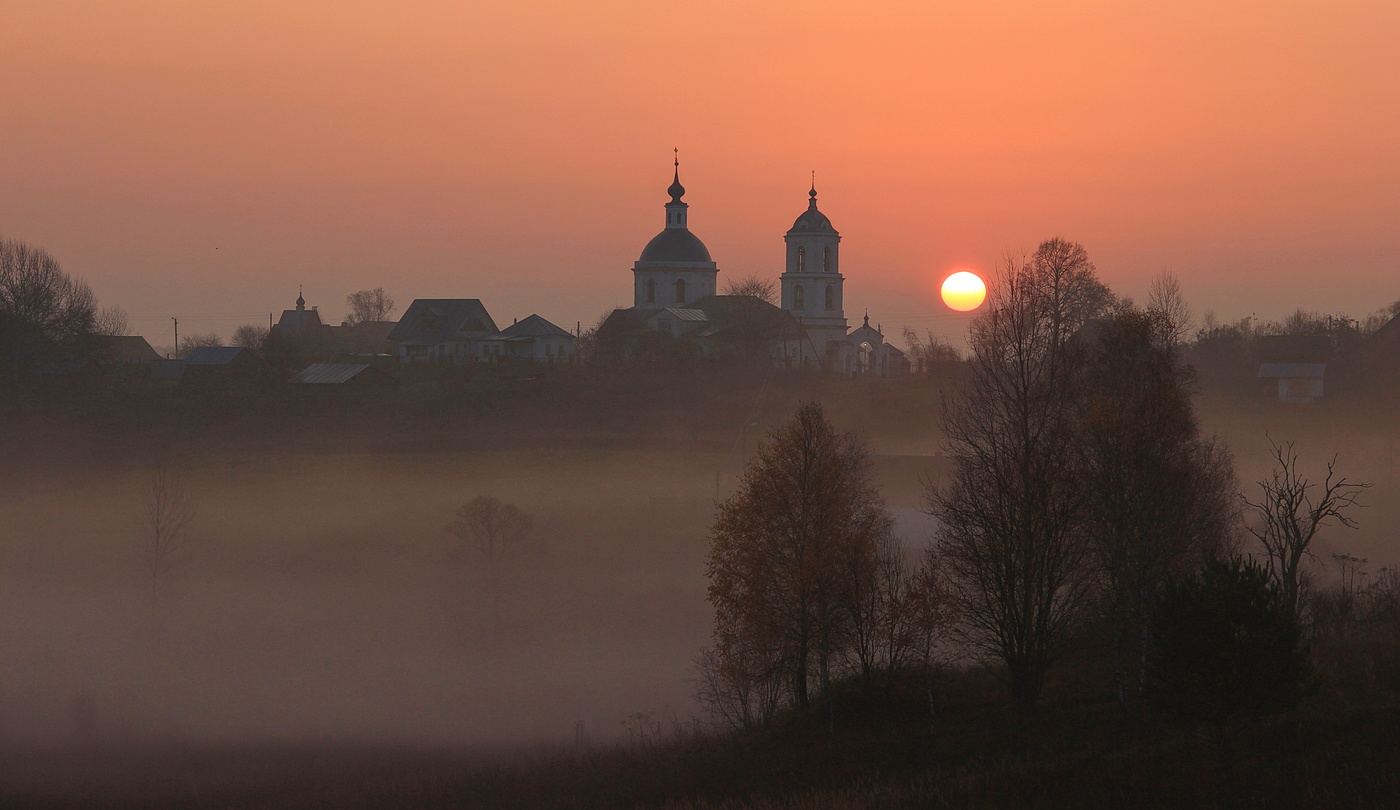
column 329, row 372
column 534, row 326
column 214, row 355
column 431, row 320
column 675, row 245
column 1293, row 370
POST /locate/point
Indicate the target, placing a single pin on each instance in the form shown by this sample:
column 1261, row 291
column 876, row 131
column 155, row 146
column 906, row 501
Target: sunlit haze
column 201, row 160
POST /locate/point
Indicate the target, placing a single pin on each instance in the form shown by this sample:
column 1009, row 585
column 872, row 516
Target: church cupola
column 675, row 267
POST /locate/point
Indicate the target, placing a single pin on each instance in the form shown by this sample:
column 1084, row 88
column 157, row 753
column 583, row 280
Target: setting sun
column 964, row 291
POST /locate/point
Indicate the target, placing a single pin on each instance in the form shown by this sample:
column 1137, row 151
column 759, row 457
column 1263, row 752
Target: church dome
column 675, row 245
column 812, row 220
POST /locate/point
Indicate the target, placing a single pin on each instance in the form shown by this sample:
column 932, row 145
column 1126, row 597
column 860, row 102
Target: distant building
column 460, row 330
column 674, row 295
column 208, row 363
column 343, row 376
column 1297, row 382
column 537, row 340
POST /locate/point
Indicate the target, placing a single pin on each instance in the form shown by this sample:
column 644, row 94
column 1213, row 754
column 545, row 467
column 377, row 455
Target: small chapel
column 675, row 283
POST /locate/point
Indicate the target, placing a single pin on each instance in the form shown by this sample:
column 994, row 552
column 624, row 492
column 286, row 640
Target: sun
column 964, row 291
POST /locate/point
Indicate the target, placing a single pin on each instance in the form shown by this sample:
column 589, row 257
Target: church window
column 801, row 259
column 830, row 297
column 826, row 260
column 680, row 291
column 651, row 290
column 799, row 299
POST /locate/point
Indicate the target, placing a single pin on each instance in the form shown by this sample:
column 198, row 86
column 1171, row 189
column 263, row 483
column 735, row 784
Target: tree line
column 1084, row 506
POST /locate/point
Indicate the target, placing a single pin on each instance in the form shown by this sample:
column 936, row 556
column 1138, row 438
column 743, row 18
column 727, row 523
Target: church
column 675, row 295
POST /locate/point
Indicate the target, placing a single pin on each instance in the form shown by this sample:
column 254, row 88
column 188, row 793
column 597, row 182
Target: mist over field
column 319, row 598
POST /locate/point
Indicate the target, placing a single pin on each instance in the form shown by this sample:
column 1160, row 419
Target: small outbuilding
column 1297, row 382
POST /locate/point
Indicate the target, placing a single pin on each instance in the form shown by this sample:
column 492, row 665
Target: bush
column 1226, row 645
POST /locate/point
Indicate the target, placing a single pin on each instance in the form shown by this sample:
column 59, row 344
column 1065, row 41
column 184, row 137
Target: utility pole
column 177, row 337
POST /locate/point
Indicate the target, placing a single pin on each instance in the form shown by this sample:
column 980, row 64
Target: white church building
column 675, row 282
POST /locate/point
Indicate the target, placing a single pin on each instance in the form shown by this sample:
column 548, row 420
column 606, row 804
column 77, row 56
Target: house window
column 680, row 291
column 664, row 325
column 826, row 260
column 799, row 298
column 801, row 260
column 651, row 291
column 830, row 297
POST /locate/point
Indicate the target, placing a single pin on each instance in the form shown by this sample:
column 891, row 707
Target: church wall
column 698, row 284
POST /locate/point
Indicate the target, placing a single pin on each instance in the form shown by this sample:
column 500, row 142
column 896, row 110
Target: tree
column 368, row 305
column 1165, row 301
column 786, row 550
column 250, row 336
column 1227, row 644
column 42, row 308
column 495, row 536
column 163, row 526
column 1289, row 515
column 1012, row 535
column 191, row 342
column 755, row 286
column 111, row 321
column 929, row 348
column 1161, row 498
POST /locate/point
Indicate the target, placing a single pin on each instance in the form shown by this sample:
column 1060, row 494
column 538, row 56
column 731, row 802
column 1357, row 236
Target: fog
column 318, row 598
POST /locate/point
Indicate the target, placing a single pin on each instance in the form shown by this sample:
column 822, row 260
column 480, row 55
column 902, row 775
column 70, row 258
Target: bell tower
column 812, row 281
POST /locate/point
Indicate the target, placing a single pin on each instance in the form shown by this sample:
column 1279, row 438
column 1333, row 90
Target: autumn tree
column 786, row 553
column 1291, row 509
column 1161, row 499
column 1012, row 538
column 368, row 305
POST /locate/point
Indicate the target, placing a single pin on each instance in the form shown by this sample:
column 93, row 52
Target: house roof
column 123, row 349
column 534, row 326
column 436, row 319
column 318, row 373
column 1292, row 370
column 215, row 355
column 298, row 320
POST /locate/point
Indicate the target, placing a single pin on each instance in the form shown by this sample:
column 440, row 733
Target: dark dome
column 812, row 221
column 675, row 245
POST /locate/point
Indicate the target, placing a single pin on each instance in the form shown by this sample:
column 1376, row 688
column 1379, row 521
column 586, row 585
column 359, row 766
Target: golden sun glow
column 964, row 291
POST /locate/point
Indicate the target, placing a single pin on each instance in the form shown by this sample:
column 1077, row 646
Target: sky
column 200, row 159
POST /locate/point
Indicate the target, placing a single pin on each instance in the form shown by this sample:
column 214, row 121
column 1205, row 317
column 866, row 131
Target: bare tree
column 250, row 336
column 786, row 550
column 1164, row 298
column 1292, row 509
column 163, row 526
column 929, row 348
column 764, row 289
column 191, row 342
column 494, row 536
column 42, row 308
column 1012, row 541
column 111, row 321
column 368, row 305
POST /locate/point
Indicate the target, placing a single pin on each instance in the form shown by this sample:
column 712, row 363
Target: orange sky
column 201, row 159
